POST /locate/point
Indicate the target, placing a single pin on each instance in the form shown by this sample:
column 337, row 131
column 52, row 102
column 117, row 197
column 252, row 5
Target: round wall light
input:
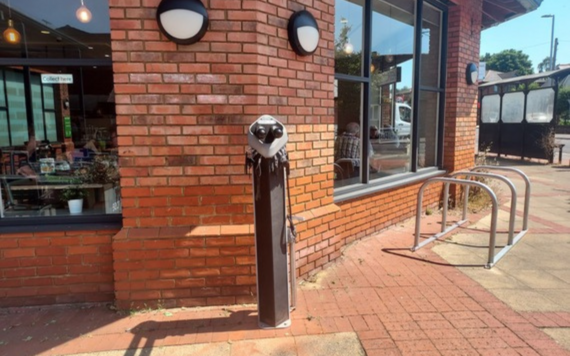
column 471, row 73
column 182, row 21
column 303, row 33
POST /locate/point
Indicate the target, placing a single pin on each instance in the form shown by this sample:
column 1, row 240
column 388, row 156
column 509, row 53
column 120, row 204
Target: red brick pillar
column 461, row 99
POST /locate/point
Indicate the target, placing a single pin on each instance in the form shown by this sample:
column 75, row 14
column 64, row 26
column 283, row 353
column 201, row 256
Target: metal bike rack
column 444, row 230
column 494, row 176
column 512, row 240
column 526, row 195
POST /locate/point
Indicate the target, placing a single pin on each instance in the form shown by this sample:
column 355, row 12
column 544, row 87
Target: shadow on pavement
column 149, row 332
column 31, row 331
column 394, row 252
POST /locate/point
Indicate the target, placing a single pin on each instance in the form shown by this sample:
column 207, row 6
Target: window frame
column 365, row 186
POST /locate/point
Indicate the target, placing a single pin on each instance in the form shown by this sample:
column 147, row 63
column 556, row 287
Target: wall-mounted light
column 83, row 14
column 303, row 33
column 11, row 35
column 182, row 21
column 471, row 73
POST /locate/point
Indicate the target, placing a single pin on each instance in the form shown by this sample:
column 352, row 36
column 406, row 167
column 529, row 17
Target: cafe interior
column 57, row 111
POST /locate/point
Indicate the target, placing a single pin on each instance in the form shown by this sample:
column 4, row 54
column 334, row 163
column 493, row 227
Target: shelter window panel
column 540, row 106
column 513, row 108
column 490, row 109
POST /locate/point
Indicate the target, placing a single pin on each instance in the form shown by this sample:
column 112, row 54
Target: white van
column 403, row 120
column 401, row 123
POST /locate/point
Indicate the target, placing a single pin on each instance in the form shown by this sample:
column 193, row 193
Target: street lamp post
column 551, row 41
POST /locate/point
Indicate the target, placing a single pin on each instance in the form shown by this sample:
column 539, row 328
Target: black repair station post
column 267, row 159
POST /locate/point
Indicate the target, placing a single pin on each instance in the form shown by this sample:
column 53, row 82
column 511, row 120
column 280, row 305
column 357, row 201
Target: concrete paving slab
column 562, row 336
column 337, row 344
column 525, row 299
column 539, row 279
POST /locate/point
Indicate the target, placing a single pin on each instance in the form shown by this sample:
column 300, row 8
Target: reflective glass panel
column 429, row 112
column 540, row 106
column 391, row 87
column 348, row 36
column 51, row 29
column 348, row 123
column 513, row 108
column 490, row 108
column 65, row 148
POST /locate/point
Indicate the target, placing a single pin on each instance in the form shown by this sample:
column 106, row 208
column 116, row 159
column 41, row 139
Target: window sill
column 51, row 224
column 384, row 184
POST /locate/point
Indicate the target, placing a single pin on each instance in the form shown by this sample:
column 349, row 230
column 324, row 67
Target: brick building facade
column 182, row 114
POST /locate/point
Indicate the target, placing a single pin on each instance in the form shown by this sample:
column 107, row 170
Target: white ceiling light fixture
column 303, row 33
column 83, row 14
column 182, row 21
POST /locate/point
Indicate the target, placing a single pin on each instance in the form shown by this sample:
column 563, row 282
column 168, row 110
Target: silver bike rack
column 444, row 230
column 526, row 196
column 512, row 240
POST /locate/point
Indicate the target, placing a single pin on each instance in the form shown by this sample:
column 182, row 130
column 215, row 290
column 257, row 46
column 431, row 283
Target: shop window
column 386, row 88
column 57, row 118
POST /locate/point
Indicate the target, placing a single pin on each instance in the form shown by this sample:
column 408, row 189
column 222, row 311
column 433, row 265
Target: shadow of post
column 151, row 331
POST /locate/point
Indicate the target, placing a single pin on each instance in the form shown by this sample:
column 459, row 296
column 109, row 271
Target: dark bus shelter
column 517, row 116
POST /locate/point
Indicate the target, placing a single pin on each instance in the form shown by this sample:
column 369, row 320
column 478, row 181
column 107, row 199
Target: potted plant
column 73, row 195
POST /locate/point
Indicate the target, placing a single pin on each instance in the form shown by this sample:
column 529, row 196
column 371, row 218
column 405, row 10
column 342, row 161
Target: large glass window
column 58, row 145
column 381, row 87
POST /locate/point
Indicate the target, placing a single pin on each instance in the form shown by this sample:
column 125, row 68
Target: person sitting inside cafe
column 347, row 146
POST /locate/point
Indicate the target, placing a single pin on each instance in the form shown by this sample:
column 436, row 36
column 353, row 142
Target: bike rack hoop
column 462, row 182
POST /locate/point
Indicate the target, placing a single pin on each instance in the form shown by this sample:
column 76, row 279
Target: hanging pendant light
column 11, row 35
column 83, row 14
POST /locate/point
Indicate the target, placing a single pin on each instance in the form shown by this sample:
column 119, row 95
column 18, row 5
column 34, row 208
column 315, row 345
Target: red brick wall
column 54, row 268
column 183, row 114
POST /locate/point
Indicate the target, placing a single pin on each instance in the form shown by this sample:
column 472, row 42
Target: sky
column 530, row 33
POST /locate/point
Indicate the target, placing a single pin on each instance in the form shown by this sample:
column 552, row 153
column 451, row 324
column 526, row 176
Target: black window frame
column 365, row 186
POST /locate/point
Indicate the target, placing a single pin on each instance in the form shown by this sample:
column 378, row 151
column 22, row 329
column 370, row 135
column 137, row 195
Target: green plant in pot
column 74, row 195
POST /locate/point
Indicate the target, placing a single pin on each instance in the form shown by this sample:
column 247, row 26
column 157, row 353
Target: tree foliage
column 563, row 104
column 544, row 66
column 509, row 60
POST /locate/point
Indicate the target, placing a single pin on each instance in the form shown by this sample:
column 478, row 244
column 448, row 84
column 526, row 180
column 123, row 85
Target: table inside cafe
column 42, row 191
